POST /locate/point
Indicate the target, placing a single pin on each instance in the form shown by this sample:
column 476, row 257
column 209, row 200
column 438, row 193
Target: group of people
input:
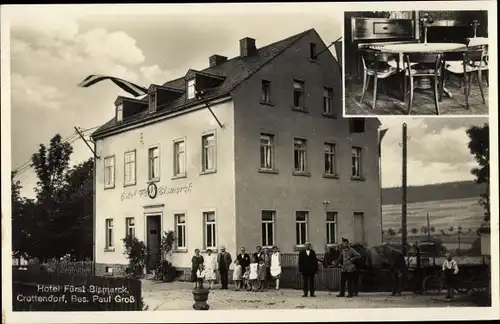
column 250, row 272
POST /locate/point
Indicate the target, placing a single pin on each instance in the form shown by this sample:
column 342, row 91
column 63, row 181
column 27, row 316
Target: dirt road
column 178, row 296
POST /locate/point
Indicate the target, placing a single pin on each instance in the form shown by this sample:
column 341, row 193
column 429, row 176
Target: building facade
column 251, row 151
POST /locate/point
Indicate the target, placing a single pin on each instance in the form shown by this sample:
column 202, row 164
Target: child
column 450, row 269
column 237, row 275
column 254, row 273
column 200, row 275
column 246, row 278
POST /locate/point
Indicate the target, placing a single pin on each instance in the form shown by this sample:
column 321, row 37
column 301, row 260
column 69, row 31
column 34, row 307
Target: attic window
column 119, row 113
column 191, row 89
column 152, row 102
column 312, row 51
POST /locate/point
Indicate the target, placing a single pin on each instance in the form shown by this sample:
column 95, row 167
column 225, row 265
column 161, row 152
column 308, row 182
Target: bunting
column 380, row 137
column 127, row 86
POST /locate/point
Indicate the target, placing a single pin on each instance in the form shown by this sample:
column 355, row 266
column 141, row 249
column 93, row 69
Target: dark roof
column 434, row 192
column 235, row 71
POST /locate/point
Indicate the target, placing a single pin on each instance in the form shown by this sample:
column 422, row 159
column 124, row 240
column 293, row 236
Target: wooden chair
column 375, row 64
column 466, row 64
column 429, row 65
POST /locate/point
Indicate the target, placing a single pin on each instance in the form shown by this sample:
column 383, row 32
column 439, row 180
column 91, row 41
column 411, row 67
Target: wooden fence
column 37, row 290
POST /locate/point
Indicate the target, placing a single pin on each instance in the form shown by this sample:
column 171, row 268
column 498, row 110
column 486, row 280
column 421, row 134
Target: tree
column 432, row 229
column 451, row 229
column 414, row 231
column 391, row 232
column 442, row 231
column 479, row 142
column 19, row 223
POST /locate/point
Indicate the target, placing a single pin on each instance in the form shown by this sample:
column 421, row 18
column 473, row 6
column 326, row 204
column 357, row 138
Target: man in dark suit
column 224, row 260
column 308, row 267
column 244, row 259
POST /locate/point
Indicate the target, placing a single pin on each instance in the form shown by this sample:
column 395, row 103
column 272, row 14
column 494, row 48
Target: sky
column 53, row 49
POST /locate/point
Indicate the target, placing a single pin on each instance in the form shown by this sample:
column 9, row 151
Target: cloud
column 31, row 92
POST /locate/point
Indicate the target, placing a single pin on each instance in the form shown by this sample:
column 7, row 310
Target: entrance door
column 359, row 228
column 153, row 241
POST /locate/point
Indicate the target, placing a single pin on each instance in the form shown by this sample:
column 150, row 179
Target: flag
column 127, row 86
column 380, row 137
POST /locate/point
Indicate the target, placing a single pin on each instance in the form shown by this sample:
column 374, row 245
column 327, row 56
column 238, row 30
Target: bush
column 166, row 271
column 137, row 253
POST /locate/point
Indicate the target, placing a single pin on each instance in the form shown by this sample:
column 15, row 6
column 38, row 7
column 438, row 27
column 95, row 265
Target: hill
column 433, row 192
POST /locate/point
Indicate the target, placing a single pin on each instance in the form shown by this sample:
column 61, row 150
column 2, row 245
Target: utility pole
column 404, row 233
column 428, row 229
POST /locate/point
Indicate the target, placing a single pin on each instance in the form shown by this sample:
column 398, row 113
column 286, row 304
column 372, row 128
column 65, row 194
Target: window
column 328, row 101
column 119, row 113
column 154, row 163
column 130, row 226
column 266, row 91
column 356, row 162
column 330, row 164
column 356, row 125
column 109, row 233
column 180, row 231
column 179, row 158
column 312, row 51
column 152, row 102
column 301, row 227
column 268, row 228
column 208, row 153
column 298, row 94
column 210, row 233
column 109, row 172
column 129, row 170
column 191, row 91
column 266, row 151
column 331, row 227
column 300, row 150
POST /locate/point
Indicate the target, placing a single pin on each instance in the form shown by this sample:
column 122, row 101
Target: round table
column 421, row 48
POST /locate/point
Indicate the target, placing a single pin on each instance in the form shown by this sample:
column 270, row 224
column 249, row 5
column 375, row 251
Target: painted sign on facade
column 161, row 191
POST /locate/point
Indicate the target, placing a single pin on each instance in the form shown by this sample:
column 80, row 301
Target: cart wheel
column 432, row 284
column 463, row 290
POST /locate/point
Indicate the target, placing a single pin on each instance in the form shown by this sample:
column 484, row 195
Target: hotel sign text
column 161, row 191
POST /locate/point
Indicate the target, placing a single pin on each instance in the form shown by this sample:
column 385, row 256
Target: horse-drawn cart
column 426, row 275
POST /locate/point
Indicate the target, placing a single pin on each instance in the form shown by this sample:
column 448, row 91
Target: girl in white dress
column 276, row 266
column 210, row 267
column 237, row 275
column 254, row 273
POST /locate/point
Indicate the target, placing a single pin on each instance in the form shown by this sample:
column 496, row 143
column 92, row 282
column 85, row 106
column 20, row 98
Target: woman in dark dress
column 195, row 264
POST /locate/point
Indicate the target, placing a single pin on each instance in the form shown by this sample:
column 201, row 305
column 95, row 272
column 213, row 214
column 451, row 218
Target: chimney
column 247, row 47
column 217, row 60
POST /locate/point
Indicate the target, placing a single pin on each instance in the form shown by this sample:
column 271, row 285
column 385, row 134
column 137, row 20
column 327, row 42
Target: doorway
column 153, row 241
column 359, row 228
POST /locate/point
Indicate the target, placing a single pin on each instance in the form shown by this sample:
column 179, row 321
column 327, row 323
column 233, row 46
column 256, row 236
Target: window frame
column 178, row 224
column 331, row 154
column 109, row 234
column 272, row 223
column 119, row 112
column 191, row 85
column 151, row 164
column 306, row 224
column 333, row 222
column 113, row 171
column 152, row 102
column 302, row 91
column 134, row 169
column 359, row 157
column 129, row 225
column 328, row 98
column 176, row 154
column 313, row 54
column 301, row 150
column 266, row 92
column 270, row 147
column 205, row 230
column 204, row 168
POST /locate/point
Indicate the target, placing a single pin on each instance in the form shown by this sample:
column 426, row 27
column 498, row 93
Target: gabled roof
column 235, row 71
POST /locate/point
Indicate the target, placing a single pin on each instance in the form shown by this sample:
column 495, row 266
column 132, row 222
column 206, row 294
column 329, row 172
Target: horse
column 373, row 260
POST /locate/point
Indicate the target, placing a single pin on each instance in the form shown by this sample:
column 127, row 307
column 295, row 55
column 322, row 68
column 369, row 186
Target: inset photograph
column 416, row 63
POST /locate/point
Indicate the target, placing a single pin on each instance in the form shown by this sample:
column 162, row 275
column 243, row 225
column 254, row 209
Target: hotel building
column 250, row 151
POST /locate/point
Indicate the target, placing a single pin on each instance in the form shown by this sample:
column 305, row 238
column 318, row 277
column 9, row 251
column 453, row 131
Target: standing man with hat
column 224, row 260
column 348, row 257
column 308, row 267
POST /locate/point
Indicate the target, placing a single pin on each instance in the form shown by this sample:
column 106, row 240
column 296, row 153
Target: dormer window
column 191, row 92
column 152, row 102
column 119, row 113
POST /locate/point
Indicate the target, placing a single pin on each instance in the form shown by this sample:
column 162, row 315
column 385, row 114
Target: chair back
column 436, row 59
column 371, row 58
